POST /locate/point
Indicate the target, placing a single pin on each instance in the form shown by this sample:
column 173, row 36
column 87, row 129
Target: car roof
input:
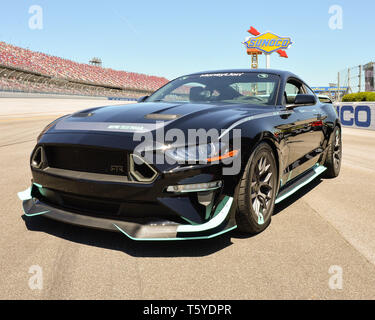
column 283, row 74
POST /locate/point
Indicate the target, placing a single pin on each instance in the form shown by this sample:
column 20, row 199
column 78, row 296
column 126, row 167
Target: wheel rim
column 337, row 150
column 261, row 188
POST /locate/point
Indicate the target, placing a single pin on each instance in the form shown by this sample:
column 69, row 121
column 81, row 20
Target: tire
column 256, row 191
column 334, row 155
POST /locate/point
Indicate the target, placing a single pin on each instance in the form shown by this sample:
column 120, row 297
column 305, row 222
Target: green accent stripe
column 189, row 221
column 225, row 207
column 24, row 195
column 220, row 206
column 214, row 222
column 318, row 171
column 36, row 214
column 208, row 211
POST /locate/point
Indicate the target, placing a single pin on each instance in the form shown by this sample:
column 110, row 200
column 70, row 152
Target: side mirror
column 303, row 100
column 324, row 99
column 142, row 99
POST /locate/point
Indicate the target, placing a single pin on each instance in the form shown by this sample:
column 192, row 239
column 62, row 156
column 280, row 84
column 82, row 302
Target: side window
column 292, row 88
column 308, row 90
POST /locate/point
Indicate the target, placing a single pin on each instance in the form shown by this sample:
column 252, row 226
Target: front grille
column 104, row 208
column 87, row 159
column 85, row 205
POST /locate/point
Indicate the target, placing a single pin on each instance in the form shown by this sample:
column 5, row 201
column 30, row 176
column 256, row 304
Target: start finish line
column 359, row 115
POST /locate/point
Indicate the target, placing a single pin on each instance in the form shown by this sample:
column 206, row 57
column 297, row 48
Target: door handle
column 318, row 116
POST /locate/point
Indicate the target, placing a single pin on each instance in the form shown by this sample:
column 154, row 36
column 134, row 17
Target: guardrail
column 359, row 115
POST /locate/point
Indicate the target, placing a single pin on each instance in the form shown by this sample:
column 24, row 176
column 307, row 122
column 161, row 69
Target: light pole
column 268, row 61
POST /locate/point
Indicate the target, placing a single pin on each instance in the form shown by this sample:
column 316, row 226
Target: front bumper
column 138, row 229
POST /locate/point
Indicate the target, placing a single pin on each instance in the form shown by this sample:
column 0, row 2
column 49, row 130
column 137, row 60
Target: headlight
column 194, row 153
column 202, row 153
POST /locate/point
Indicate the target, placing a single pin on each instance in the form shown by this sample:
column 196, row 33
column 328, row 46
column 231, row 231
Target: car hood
column 130, row 118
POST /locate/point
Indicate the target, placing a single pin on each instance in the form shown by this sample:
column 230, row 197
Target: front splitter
column 140, row 230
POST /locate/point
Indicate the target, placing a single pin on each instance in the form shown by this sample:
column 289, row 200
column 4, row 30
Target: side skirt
column 300, row 182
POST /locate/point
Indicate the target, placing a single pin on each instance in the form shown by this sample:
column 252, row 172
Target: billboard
column 268, row 42
column 369, row 76
column 359, row 115
column 329, row 89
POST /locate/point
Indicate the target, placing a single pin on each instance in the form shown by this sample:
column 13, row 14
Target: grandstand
column 23, row 70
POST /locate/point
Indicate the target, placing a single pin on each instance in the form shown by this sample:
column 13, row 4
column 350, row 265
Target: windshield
column 245, row 87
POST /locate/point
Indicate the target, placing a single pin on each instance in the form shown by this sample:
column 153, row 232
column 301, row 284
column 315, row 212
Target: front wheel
column 257, row 191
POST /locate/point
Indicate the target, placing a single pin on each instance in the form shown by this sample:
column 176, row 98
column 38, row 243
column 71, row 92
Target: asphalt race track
column 328, row 223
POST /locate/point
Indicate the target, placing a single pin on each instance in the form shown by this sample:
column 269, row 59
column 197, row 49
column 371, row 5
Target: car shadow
column 280, row 207
column 149, row 249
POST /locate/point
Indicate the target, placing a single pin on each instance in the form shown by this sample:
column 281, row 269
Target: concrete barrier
column 122, row 99
column 359, row 115
column 26, row 95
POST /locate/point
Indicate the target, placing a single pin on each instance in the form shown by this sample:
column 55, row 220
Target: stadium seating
column 59, row 68
column 14, row 85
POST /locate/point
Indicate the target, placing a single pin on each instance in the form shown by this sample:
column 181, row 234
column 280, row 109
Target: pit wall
column 360, row 115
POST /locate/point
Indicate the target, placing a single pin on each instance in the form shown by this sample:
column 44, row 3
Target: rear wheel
column 334, row 155
column 257, row 191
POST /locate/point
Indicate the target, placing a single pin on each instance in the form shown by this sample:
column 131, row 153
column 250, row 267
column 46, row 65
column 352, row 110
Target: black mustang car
column 206, row 153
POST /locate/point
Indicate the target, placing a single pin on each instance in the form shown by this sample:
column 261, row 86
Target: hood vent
column 82, row 115
column 162, row 116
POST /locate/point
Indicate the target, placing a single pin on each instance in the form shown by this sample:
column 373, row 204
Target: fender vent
column 37, row 159
column 140, row 170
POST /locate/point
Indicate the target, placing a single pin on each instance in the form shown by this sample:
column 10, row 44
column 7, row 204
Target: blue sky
column 171, row 38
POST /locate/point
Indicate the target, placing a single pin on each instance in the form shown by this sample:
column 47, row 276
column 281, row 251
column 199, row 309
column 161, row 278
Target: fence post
column 348, row 80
